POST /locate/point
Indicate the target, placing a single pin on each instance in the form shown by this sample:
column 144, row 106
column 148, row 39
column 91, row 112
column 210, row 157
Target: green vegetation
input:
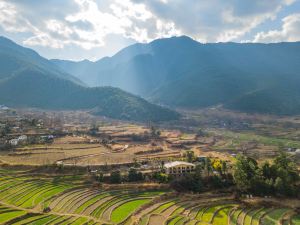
column 6, row 215
column 164, row 207
column 274, row 216
column 77, row 204
column 221, row 217
column 234, row 217
column 175, row 220
column 296, row 220
column 256, row 218
column 249, row 216
column 90, row 202
column 279, row 178
column 208, row 214
column 123, row 211
column 238, row 138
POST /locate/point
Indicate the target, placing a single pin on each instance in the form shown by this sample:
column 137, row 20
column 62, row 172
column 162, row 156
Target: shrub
column 115, row 177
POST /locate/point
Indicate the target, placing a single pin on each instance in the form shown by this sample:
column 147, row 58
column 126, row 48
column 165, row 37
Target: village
column 40, row 138
column 29, row 138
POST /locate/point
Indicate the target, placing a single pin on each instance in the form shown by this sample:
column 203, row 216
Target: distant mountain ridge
column 181, row 72
column 29, row 80
column 14, row 57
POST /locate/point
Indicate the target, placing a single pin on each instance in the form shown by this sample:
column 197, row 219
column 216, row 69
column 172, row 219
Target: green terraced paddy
column 23, row 198
column 296, row 220
column 6, row 216
column 249, row 216
column 221, row 216
column 123, row 211
column 176, row 220
column 274, row 216
column 30, row 219
column 164, row 207
column 21, row 217
column 209, row 213
column 90, row 202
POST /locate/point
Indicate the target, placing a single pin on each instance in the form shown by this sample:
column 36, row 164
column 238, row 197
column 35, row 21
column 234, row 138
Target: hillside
column 72, row 200
column 14, row 57
column 181, row 72
column 28, row 80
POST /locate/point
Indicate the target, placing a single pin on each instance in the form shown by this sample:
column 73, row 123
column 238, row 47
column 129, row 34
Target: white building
column 22, row 138
column 14, row 142
column 3, row 107
column 179, row 167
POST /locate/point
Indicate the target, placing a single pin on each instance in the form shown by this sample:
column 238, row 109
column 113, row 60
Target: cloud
column 215, row 20
column 11, row 20
column 88, row 24
column 290, row 31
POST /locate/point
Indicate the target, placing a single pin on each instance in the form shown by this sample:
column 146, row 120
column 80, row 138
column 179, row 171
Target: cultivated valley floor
column 67, row 199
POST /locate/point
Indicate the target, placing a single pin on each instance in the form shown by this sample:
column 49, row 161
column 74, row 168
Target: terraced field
column 202, row 212
column 23, row 201
column 65, row 200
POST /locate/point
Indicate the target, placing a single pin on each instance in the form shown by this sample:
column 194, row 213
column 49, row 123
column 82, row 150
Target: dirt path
column 52, row 213
column 156, row 220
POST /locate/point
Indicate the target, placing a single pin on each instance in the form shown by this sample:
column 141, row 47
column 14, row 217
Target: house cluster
column 23, row 139
column 293, row 151
column 46, row 138
column 3, row 107
column 16, row 141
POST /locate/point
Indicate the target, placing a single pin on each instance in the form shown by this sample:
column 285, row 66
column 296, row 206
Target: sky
column 92, row 29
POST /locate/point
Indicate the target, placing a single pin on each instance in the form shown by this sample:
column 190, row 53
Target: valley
column 82, row 139
column 62, row 172
column 168, row 132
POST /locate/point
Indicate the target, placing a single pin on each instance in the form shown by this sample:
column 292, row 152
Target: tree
column 244, row 172
column 200, row 133
column 224, row 167
column 279, row 178
column 100, row 177
column 161, row 177
column 190, row 156
column 155, row 133
column 93, row 130
column 5, row 130
column 287, row 175
column 115, row 177
column 189, row 182
column 208, row 166
column 279, row 186
column 217, row 165
column 162, row 167
column 198, row 170
column 133, row 175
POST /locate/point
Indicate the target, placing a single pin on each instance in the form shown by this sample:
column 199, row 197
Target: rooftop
column 177, row 163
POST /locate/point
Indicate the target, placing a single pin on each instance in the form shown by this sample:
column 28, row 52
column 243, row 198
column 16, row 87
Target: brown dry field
column 74, row 150
column 80, row 150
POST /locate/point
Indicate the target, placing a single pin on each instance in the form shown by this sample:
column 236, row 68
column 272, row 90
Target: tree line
column 246, row 176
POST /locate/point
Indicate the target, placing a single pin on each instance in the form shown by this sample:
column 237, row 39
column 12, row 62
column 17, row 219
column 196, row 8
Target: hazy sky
column 91, row 29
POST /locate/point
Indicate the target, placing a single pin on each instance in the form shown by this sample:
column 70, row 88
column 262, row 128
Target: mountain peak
column 182, row 38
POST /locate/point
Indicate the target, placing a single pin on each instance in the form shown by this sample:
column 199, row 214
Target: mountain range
column 183, row 73
column 29, row 80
